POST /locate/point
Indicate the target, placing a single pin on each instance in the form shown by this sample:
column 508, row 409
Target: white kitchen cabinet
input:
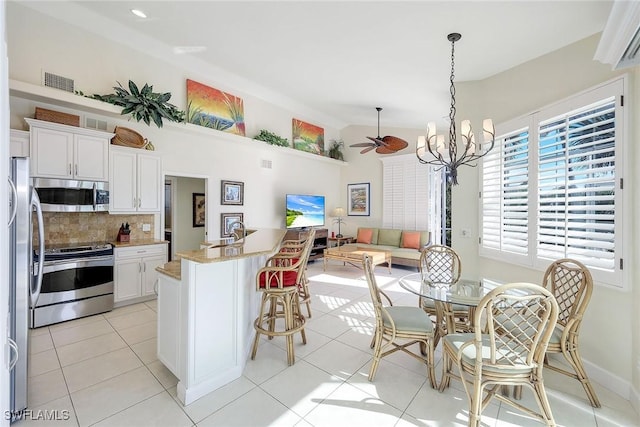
column 19, row 143
column 169, row 322
column 68, row 152
column 134, row 180
column 134, row 273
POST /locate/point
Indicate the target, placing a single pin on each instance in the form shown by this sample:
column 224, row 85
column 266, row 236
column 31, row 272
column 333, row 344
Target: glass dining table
column 449, row 299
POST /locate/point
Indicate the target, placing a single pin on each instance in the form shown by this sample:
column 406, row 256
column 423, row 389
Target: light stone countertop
column 262, row 242
column 139, row 242
column 171, row 269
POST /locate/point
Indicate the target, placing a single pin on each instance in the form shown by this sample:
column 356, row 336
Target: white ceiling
column 344, row 58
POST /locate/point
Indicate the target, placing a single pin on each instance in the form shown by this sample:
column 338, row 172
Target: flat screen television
column 304, row 210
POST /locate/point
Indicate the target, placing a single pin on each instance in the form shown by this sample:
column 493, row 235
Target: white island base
column 206, row 314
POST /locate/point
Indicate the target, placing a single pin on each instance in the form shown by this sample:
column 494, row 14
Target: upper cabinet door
column 68, row 152
column 91, row 158
column 134, row 180
column 19, row 143
column 52, row 153
column 149, row 179
column 122, row 181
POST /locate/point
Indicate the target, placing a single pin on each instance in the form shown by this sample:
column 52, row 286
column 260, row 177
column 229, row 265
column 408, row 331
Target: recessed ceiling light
column 139, row 13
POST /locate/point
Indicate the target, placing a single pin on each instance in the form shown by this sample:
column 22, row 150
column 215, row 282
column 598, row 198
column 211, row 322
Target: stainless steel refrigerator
column 25, row 281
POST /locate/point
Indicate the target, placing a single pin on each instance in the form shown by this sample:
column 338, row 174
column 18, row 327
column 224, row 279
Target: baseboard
column 618, row 385
column 597, row 374
column 635, row 399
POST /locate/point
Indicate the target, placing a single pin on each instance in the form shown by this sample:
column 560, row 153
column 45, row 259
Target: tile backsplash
column 79, row 227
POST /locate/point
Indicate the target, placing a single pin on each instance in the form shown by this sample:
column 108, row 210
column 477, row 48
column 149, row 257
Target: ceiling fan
column 383, row 145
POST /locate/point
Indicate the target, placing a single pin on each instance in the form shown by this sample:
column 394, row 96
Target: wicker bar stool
column 303, row 286
column 279, row 281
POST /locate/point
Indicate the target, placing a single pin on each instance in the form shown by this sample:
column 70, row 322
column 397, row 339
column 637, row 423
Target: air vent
column 58, row 82
column 92, row 123
column 267, row 164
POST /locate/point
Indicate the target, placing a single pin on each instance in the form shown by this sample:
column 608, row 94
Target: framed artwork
column 307, row 137
column 215, row 109
column 232, row 193
column 199, row 204
column 226, row 223
column 358, row 199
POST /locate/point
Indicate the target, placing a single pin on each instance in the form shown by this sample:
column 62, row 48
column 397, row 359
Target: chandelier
column 433, row 150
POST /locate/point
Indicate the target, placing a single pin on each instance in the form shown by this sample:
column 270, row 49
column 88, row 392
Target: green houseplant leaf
column 271, row 138
column 143, row 104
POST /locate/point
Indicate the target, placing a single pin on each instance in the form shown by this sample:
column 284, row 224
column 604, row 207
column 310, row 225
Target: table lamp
column 338, row 213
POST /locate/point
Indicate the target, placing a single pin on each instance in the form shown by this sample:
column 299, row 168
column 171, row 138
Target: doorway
column 184, row 229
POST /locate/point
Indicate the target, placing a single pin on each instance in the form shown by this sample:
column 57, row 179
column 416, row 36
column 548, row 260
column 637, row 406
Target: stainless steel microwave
column 66, row 195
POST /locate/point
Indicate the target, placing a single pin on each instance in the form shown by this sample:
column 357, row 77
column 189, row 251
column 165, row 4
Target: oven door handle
column 68, row 264
column 35, row 202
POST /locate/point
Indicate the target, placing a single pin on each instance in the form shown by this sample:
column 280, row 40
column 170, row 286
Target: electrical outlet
column 146, row 227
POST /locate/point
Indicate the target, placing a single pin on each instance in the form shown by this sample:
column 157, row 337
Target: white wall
column 607, row 342
column 37, row 42
column 368, row 168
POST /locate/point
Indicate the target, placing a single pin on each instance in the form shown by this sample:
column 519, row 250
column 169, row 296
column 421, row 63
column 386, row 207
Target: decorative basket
column 57, row 117
column 128, row 138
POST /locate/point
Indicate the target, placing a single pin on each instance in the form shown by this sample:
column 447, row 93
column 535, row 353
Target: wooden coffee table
column 354, row 254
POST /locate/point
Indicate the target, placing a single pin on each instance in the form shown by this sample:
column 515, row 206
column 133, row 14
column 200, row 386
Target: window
column 551, row 187
column 410, row 195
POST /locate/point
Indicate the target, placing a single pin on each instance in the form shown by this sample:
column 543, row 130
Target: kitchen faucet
column 235, row 228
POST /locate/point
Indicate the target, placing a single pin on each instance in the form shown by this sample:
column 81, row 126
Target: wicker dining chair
column 279, row 281
column 441, row 264
column 398, row 327
column 513, row 325
column 571, row 283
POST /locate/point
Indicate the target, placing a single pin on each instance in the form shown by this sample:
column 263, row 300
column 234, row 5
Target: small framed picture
column 232, row 193
column 199, row 205
column 358, row 199
column 229, row 222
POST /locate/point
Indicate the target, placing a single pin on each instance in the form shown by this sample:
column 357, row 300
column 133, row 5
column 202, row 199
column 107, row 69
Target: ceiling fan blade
column 366, row 150
column 394, row 143
column 384, row 150
column 378, row 141
column 362, row 144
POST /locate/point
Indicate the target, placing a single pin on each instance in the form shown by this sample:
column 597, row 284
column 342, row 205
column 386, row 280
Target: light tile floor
column 103, row 371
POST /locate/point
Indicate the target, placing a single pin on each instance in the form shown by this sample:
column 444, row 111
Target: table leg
column 445, row 320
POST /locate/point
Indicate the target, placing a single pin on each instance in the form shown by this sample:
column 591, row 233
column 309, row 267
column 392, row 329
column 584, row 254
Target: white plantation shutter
column 551, row 186
column 505, row 187
column 576, row 181
column 406, row 194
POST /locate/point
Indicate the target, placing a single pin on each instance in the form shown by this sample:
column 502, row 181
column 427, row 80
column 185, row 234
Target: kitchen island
column 207, row 303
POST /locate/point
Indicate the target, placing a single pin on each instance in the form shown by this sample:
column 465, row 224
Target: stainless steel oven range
column 77, row 281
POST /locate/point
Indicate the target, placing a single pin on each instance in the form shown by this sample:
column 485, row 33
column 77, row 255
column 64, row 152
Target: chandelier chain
column 452, row 108
column 432, row 149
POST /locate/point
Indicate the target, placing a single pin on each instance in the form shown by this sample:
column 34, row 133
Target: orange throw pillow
column 365, row 235
column 411, row 239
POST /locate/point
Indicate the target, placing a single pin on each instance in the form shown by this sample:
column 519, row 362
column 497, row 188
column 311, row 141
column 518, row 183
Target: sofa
column 405, row 245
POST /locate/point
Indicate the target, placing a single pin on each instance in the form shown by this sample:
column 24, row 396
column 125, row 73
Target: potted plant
column 271, row 138
column 335, row 150
column 143, row 104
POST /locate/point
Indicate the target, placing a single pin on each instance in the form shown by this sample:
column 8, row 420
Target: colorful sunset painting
column 307, row 137
column 214, row 109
